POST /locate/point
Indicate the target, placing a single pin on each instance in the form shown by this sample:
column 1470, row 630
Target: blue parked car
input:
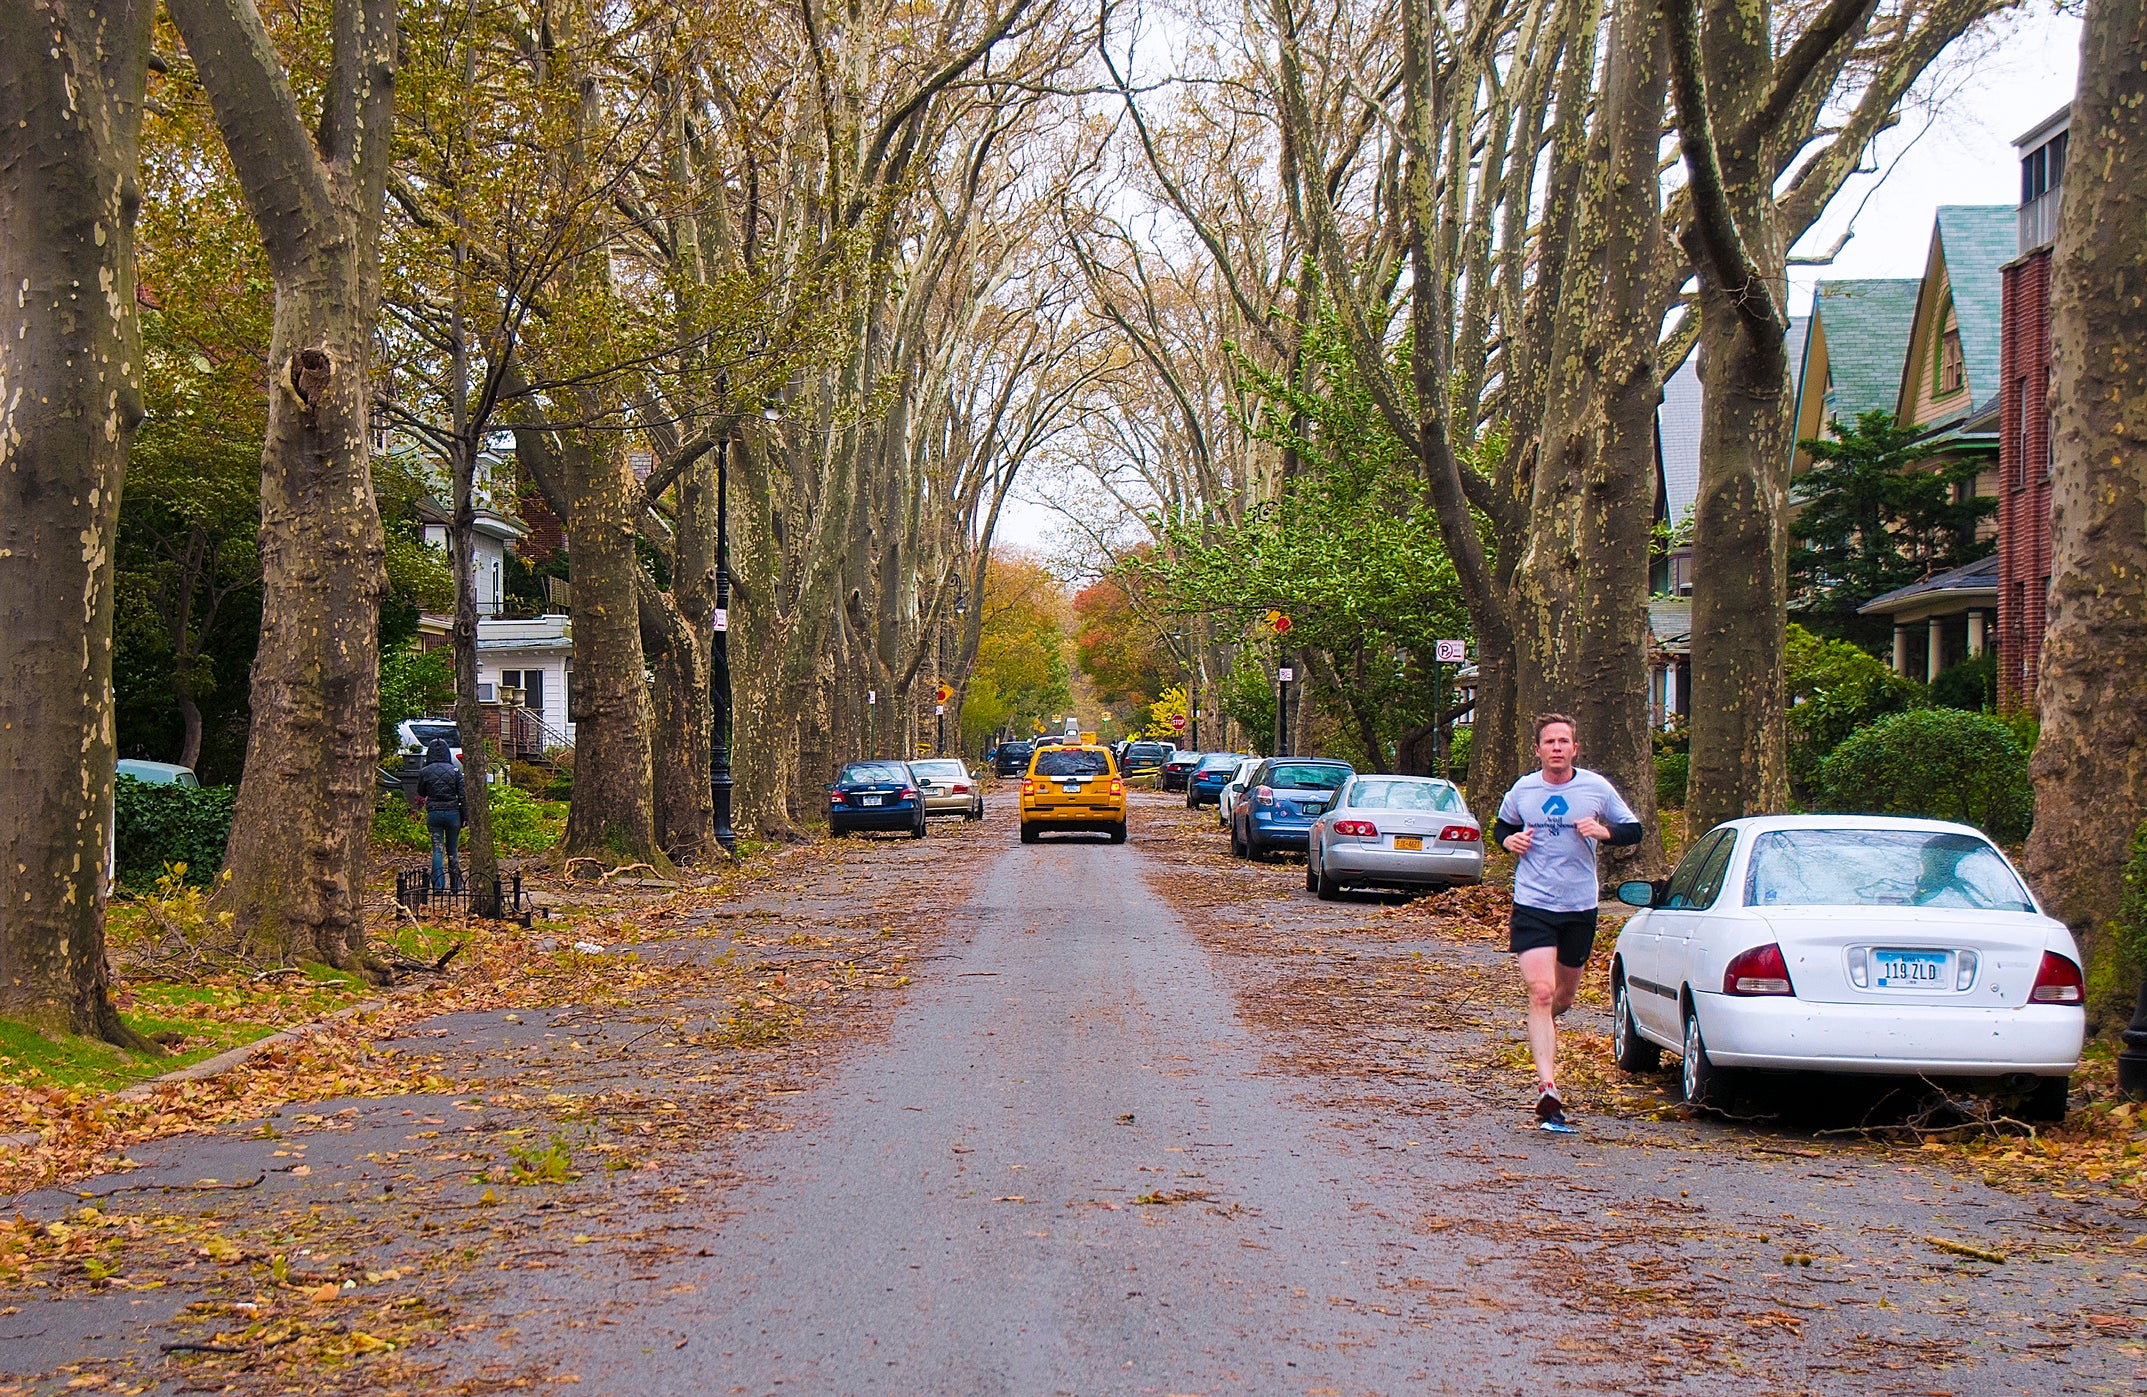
column 875, row 796
column 1205, row 785
column 1282, row 799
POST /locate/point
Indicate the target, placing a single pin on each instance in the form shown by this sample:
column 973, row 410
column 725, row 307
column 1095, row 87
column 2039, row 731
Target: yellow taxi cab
column 1073, row 787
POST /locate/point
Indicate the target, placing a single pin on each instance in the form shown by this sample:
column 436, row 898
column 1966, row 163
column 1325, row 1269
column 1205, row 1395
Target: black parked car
column 1013, row 758
column 1177, row 769
column 875, row 795
column 1144, row 758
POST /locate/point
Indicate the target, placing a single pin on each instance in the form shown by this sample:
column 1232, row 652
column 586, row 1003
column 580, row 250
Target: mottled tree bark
column 2090, row 764
column 677, row 632
column 1722, row 76
column 469, row 715
column 297, row 857
column 72, row 75
column 613, row 818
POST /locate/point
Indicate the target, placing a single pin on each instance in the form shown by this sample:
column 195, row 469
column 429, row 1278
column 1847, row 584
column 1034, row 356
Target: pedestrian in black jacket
column 439, row 787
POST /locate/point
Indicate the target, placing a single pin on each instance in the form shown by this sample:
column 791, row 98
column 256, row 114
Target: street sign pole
column 1444, row 653
column 872, row 722
column 939, row 738
column 1283, row 678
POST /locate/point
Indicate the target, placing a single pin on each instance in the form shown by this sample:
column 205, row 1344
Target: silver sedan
column 1412, row 832
column 949, row 788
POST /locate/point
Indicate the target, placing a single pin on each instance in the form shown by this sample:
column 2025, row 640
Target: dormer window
column 1952, row 366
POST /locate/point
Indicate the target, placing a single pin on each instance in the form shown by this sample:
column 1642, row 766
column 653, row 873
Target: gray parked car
column 1411, row 832
column 949, row 787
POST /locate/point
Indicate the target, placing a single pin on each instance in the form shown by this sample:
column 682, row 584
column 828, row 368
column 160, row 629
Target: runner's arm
column 1624, row 833
column 1503, row 829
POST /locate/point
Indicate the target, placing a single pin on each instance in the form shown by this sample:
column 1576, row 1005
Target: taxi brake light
column 1460, row 834
column 1028, row 788
column 1118, row 787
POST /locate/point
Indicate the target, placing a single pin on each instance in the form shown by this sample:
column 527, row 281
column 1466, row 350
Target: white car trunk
column 1826, row 946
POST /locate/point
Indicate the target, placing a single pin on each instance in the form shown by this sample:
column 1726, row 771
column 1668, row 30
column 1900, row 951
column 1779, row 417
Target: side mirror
column 1638, row 892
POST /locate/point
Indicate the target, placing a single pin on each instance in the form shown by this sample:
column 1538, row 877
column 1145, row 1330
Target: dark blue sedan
column 875, row 796
column 1205, row 785
column 1283, row 796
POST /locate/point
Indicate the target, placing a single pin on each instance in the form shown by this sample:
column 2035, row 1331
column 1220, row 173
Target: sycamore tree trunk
column 1608, row 670
column 1740, row 518
column 297, row 859
column 72, row 76
column 677, row 632
column 613, row 818
column 469, row 716
column 2090, row 765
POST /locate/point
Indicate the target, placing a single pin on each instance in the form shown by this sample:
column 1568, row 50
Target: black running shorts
column 1573, row 933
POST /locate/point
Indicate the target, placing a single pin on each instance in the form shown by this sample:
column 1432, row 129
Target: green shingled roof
column 1867, row 326
column 1977, row 241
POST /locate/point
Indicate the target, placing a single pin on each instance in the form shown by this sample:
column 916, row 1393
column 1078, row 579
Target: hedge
column 1673, row 770
column 159, row 824
column 1940, row 763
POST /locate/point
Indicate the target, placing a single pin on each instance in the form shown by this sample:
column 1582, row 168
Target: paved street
column 1106, row 1140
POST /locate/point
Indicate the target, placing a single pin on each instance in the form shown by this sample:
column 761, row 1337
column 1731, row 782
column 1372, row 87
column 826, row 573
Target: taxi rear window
column 1049, row 763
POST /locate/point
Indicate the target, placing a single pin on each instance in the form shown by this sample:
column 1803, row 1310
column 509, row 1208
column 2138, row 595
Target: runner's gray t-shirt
column 1557, row 874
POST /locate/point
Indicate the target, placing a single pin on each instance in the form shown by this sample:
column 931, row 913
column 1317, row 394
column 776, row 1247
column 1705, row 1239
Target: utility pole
column 720, row 786
column 1283, row 676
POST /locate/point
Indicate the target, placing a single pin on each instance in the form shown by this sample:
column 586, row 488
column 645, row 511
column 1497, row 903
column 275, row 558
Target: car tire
column 918, row 833
column 1327, row 889
column 1028, row 833
column 1118, row 833
column 1312, row 881
column 1632, row 1052
column 2049, row 1101
column 837, row 832
column 1237, row 846
column 1706, row 1086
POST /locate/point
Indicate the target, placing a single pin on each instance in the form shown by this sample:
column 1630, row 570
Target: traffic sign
column 872, row 695
column 1286, row 674
column 939, row 710
column 1278, row 622
column 723, row 620
column 1177, row 722
column 942, row 694
column 1452, row 652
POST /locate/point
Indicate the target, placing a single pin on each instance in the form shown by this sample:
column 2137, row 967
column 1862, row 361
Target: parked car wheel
column 1706, row 1085
column 1327, row 888
column 1028, row 834
column 1632, row 1052
column 1312, row 882
column 2049, row 1100
column 837, row 832
column 1237, row 846
column 918, row 832
column 1118, row 833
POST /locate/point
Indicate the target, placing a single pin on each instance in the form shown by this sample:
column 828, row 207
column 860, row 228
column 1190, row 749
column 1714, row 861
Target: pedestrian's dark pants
column 446, row 827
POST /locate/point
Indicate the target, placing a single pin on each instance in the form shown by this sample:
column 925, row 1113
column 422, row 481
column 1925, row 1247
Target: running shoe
column 1549, row 1107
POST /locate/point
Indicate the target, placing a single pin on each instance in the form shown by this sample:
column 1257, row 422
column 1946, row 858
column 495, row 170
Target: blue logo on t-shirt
column 1554, row 808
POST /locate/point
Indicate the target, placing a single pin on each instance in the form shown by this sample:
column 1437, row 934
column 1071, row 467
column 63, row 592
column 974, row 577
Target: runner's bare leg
column 1568, row 987
column 1540, row 968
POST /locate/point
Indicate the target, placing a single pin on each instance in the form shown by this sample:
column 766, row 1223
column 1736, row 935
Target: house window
column 1952, row 367
column 530, row 681
column 2020, row 434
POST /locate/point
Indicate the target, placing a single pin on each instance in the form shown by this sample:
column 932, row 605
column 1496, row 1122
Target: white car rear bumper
column 1355, row 859
column 1794, row 1034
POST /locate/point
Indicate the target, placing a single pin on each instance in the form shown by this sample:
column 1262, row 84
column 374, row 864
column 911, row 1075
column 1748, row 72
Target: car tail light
column 1760, row 970
column 1964, row 973
column 1263, row 795
column 1363, row 829
column 1028, row 788
column 1118, row 787
column 834, row 797
column 961, row 788
column 2058, row 982
column 1461, row 834
column 908, row 793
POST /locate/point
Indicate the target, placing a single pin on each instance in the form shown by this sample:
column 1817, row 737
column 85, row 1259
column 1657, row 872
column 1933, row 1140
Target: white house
column 535, row 656
column 494, row 535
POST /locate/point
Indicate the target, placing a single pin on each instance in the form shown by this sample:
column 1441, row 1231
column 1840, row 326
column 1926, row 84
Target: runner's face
column 1555, row 748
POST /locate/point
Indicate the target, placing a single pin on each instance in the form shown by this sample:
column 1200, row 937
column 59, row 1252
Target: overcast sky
column 1954, row 146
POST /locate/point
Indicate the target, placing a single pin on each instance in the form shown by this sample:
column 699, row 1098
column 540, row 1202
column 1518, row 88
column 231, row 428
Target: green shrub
column 156, row 824
column 1834, row 689
column 397, row 826
column 1971, row 684
column 522, row 824
column 1941, row 763
column 1672, row 770
column 1674, row 736
column 2132, row 909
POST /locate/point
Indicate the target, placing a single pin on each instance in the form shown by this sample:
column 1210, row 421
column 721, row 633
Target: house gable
column 1952, row 363
column 1853, row 352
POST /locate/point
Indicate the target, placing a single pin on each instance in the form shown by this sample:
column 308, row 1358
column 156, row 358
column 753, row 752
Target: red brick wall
column 2024, row 482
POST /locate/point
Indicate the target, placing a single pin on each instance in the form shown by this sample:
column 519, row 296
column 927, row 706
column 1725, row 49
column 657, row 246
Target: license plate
column 1072, row 790
column 1408, row 841
column 1911, row 970
column 872, row 800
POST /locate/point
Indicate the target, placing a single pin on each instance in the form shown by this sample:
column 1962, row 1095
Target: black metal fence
column 500, row 899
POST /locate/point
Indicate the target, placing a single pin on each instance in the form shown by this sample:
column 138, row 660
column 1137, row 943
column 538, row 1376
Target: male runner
column 1551, row 821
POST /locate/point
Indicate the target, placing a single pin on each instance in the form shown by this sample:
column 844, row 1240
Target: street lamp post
column 719, row 663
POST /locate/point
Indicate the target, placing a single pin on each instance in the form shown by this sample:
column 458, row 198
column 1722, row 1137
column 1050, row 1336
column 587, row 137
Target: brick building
column 2024, row 415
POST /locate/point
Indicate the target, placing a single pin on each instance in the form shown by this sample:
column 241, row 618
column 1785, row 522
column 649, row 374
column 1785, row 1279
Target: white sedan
column 1848, row 943
column 1234, row 789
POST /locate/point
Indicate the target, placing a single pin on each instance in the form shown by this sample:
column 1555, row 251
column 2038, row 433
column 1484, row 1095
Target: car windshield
column 938, row 770
column 436, row 732
column 1405, row 795
column 1880, row 868
column 1073, row 763
column 874, row 773
column 1293, row 777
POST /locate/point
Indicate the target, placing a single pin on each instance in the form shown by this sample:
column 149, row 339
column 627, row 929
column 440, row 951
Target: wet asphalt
column 1069, row 1166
